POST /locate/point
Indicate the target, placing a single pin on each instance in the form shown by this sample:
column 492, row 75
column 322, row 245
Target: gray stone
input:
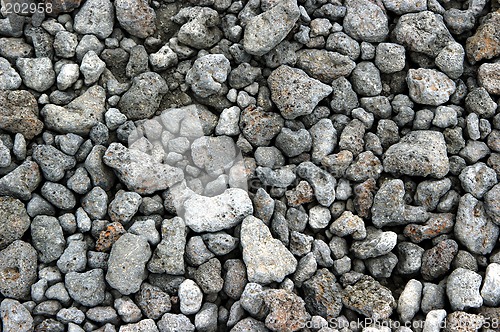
column 143, row 98
column 369, row 298
column 208, row 74
column 15, row 316
column 409, row 300
column 420, row 153
column 227, row 210
column 462, row 289
column 86, row 288
column 445, row 117
column 376, row 243
column 95, row 17
column 15, row 220
column 80, row 115
column 390, row 58
column 434, row 320
column 389, row 207
column 206, row 319
column 17, row 270
column 74, row 258
column 138, row 171
column 490, row 291
column 344, row 99
column 322, row 182
column 168, row 256
column 294, row 92
column 37, row 73
column 381, row 266
column 153, row 301
column 433, row 296
column 324, row 65
column 145, row 325
column 451, row 60
column 492, row 203
column 322, row 295
column 124, row 206
column 95, row 203
column 127, row 263
column 9, row 78
column 58, row 195
column 129, row 312
column 488, row 77
column 260, row 127
column 53, row 162
column 293, row 143
column 263, row 32
column 404, row 6
column 92, row 67
column 349, row 224
column 473, row 227
column 429, row 86
column 215, row 155
column 423, row 32
column 72, row 314
column 477, row 179
column 48, row 238
column 163, row 59
column 266, row 258
column 171, row 322
column 286, row 310
column 366, row 21
column 199, row 26
column 342, row 43
column 480, row 102
column 136, row 17
column 190, row 297
column 65, row 44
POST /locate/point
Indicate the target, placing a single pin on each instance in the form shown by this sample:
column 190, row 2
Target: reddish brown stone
column 363, row 197
column 485, row 44
column 301, row 194
column 436, row 225
column 19, row 113
column 109, row 236
column 437, row 260
column 287, row 312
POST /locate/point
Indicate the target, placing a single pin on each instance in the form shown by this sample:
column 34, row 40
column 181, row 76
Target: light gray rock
column 87, row 288
column 79, row 116
column 376, row 243
column 199, row 26
column 37, row 73
column 451, row 60
column 190, row 297
column 477, row 179
column 405, row 6
column 322, row 182
column 95, row 17
column 227, row 210
column 74, row 257
column 143, row 98
column 409, row 300
column 127, row 263
column 138, row 171
column 349, row 224
column 433, row 320
column 390, row 57
column 48, row 238
column 324, row 65
column 429, row 86
column 171, row 322
column 208, row 74
column 124, row 206
column 473, row 227
column 420, row 153
column 9, row 78
column 423, row 32
column 266, row 258
column 294, row 92
column 490, row 291
column 365, row 21
column 163, row 59
column 92, row 67
column 265, row 31
column 488, row 77
column 462, row 289
column 15, row 220
column 15, row 316
column 136, row 17
column 19, row 259
column 168, row 256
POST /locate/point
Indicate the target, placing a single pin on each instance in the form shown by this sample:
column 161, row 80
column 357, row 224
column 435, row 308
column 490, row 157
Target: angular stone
column 366, row 21
column 226, row 210
column 322, row 295
column 168, row 256
column 79, row 116
column 127, row 263
column 287, row 310
column 258, row 126
column 420, row 153
column 138, row 171
column 136, row 17
column 429, row 86
column 485, row 43
column 369, row 298
column 324, row 65
column 19, row 113
column 266, row 258
column 294, row 92
column 488, row 77
column 15, row 220
column 473, row 227
column 263, row 32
